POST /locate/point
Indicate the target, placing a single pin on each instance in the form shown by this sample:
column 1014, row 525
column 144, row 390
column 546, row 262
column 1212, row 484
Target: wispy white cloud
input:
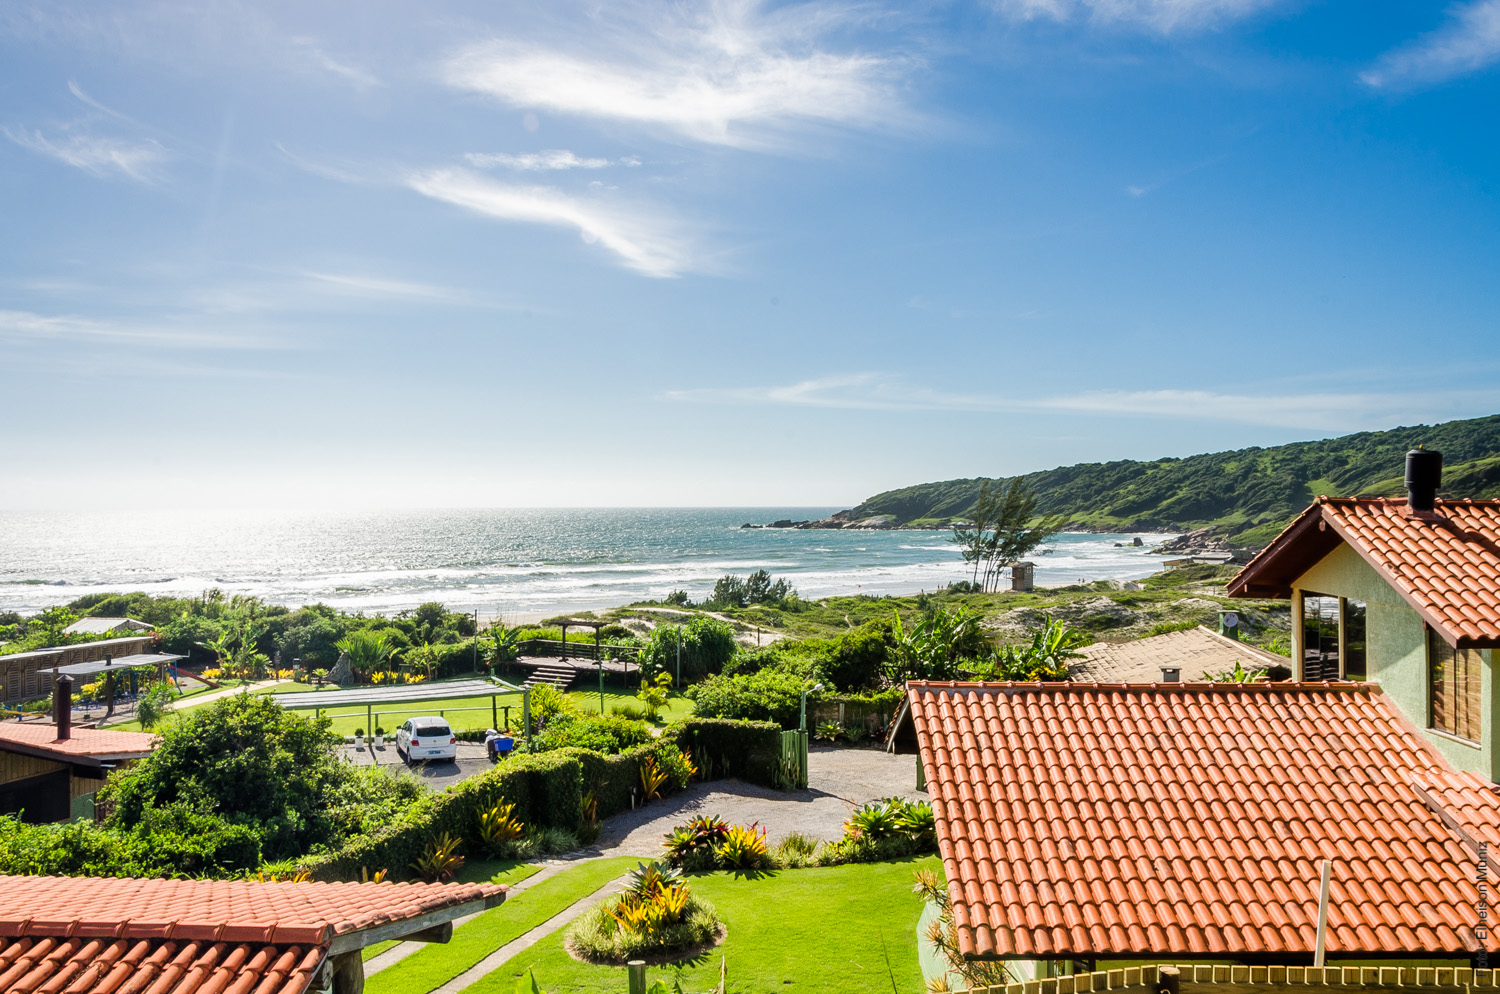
column 1469, row 42
column 1324, row 411
column 726, row 72
column 552, row 159
column 642, row 242
column 382, row 288
column 1163, row 16
column 318, row 58
column 29, row 326
column 95, row 154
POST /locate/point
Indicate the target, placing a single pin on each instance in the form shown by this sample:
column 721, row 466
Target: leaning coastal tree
column 1003, row 528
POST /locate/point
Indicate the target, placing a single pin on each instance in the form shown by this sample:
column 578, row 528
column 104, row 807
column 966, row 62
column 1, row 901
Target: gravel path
column 839, row 780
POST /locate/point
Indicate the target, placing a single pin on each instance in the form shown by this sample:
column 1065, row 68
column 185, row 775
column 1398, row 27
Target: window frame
column 1465, row 700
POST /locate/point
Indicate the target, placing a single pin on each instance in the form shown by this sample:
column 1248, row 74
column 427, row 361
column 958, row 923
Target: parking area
column 471, row 760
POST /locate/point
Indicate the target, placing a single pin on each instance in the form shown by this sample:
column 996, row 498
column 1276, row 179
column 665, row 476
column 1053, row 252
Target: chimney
column 62, row 706
column 1424, row 474
column 1171, row 674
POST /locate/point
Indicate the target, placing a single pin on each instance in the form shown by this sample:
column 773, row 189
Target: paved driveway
column 839, row 780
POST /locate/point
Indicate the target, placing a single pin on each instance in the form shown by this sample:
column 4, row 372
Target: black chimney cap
column 1424, row 475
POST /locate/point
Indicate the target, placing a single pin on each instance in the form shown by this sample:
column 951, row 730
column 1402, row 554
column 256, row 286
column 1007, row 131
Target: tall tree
column 1003, row 529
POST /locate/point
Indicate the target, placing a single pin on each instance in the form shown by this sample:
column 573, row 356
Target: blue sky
column 727, row 253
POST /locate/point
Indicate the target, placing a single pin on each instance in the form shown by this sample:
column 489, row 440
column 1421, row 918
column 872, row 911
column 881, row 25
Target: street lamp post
column 802, row 719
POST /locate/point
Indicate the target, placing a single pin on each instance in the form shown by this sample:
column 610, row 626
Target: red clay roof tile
column 1186, row 844
column 1445, row 564
column 101, row 935
column 93, row 743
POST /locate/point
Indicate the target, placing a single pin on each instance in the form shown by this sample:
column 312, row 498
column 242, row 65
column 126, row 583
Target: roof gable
column 1445, row 564
column 1080, row 820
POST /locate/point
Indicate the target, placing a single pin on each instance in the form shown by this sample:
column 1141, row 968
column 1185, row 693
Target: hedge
column 721, row 747
column 548, row 789
column 544, row 787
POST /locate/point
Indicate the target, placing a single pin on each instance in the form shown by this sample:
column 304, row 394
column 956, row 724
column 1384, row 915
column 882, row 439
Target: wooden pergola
column 567, row 623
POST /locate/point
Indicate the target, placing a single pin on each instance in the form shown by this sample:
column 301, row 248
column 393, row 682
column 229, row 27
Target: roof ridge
column 1342, row 686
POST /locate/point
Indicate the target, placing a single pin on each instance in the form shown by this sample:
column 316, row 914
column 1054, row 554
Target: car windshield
column 432, row 731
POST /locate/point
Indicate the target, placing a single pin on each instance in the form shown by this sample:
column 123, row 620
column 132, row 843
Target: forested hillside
column 1249, row 494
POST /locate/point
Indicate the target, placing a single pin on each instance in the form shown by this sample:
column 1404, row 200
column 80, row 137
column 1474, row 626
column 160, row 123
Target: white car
column 426, row 739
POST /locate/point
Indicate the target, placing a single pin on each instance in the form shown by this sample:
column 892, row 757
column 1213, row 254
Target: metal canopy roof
column 408, row 694
column 152, row 659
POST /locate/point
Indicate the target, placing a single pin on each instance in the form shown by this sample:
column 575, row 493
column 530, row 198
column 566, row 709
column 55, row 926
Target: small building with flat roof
column 26, row 675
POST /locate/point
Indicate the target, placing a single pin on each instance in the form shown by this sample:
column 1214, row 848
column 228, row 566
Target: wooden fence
column 794, row 759
column 577, row 650
column 1226, row 979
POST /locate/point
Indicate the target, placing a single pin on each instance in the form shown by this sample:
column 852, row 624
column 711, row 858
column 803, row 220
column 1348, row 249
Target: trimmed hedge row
column 548, row 789
column 722, row 747
column 544, row 787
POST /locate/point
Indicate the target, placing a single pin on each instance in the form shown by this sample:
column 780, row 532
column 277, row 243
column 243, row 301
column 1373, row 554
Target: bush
column 706, row 645
column 749, row 750
column 605, row 735
column 247, row 759
column 655, row 916
column 769, row 695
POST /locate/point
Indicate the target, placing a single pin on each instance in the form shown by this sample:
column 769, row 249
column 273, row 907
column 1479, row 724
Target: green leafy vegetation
column 429, row 967
column 778, row 937
column 1249, row 494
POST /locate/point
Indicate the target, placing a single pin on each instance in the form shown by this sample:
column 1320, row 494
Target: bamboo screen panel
column 1454, row 676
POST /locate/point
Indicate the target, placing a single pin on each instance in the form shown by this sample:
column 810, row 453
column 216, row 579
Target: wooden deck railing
column 576, row 650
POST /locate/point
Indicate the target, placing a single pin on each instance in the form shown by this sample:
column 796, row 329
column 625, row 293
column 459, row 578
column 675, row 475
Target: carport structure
column 110, row 666
column 414, row 693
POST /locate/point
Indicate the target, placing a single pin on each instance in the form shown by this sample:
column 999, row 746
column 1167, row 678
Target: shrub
column 743, row 848
column 653, row 694
column 154, row 702
column 247, row 759
column 656, row 915
column 882, row 830
column 749, row 750
column 769, row 695
column 547, row 703
column 498, row 828
column 440, row 862
column 600, row 734
column 830, row 731
column 706, row 645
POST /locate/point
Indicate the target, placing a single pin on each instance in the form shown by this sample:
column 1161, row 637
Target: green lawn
column 493, row 871
column 678, row 707
column 431, row 967
column 463, row 714
column 839, row 930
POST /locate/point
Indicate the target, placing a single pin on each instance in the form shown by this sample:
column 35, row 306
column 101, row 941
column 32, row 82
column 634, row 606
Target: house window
column 1354, row 640
column 1453, row 677
column 1320, row 637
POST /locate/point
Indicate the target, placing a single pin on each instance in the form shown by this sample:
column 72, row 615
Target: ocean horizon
column 520, row 564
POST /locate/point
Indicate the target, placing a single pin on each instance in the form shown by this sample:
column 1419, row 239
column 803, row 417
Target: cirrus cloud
column 727, row 73
column 641, row 241
column 1469, row 42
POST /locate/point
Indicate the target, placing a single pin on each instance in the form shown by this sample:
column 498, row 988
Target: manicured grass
column 434, row 965
column 839, row 930
column 678, row 707
column 496, row 871
column 492, row 871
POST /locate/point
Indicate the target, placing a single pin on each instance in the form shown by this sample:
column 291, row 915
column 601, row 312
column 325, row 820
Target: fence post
column 637, row 968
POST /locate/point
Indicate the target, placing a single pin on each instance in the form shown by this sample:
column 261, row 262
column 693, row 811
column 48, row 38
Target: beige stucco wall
column 1397, row 653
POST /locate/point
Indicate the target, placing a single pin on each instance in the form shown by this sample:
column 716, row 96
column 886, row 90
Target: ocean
column 519, row 564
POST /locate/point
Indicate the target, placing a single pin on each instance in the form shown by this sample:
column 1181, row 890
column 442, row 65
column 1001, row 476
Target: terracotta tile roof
column 216, row 910
column 1194, row 651
column 108, row 934
column 94, row 743
column 1468, row 802
column 1445, row 564
column 118, row 966
column 1187, row 820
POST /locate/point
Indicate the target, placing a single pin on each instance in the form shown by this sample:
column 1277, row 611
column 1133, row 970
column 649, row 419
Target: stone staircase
column 559, row 675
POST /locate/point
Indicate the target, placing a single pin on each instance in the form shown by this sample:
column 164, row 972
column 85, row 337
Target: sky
column 726, row 253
